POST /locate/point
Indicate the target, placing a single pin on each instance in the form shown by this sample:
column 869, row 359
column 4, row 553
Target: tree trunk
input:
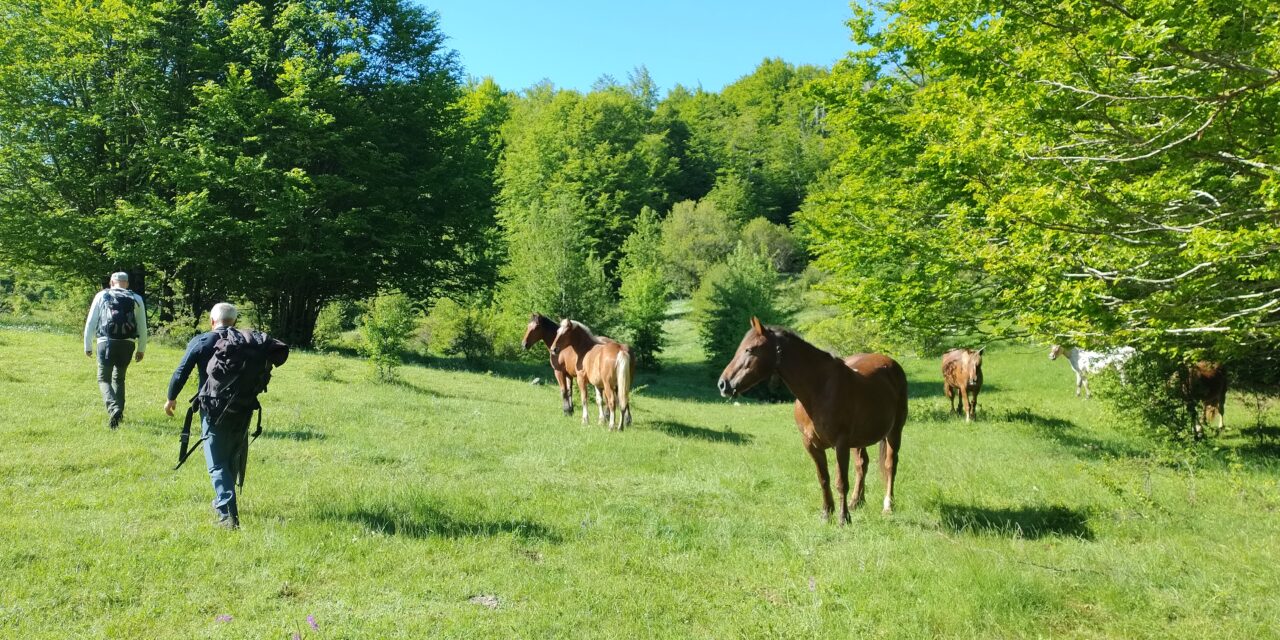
column 291, row 317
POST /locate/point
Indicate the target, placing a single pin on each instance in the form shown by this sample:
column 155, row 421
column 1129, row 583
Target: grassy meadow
column 460, row 503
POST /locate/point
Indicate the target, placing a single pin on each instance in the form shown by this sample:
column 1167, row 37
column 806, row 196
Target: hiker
column 233, row 367
column 117, row 319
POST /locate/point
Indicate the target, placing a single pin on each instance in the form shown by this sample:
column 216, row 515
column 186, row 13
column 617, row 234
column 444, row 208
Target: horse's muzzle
column 726, row 389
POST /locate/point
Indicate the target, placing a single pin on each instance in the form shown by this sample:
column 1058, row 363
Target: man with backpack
column 117, row 319
column 233, row 367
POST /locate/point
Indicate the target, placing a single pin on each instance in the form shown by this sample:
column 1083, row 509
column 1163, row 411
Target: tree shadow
column 418, row 389
column 417, row 520
column 930, row 388
column 1027, row 522
column 681, row 430
column 1067, row 434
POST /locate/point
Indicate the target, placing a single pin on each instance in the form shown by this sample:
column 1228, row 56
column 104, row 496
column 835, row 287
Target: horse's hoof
column 845, row 519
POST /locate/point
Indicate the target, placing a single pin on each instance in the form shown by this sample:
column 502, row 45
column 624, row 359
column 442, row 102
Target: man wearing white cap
column 116, row 330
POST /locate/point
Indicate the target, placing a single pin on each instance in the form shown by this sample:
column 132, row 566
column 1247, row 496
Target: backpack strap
column 244, row 451
column 183, row 451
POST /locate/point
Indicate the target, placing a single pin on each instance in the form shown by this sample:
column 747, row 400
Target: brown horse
column 842, row 404
column 604, row 364
column 1205, row 383
column 962, row 380
column 564, row 364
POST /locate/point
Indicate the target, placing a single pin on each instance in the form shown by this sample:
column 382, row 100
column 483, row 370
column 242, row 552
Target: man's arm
column 141, row 316
column 188, row 363
column 91, row 324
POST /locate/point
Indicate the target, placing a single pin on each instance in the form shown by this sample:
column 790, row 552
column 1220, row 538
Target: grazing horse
column 1086, row 363
column 564, row 364
column 604, row 364
column 846, row 404
column 962, row 380
column 1205, row 382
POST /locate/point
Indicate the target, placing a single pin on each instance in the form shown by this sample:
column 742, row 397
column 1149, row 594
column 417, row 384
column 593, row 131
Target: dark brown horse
column 962, row 380
column 564, row 364
column 604, row 364
column 1205, row 383
column 844, row 405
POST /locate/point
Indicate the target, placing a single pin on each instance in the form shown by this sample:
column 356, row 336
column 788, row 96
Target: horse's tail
column 624, row 386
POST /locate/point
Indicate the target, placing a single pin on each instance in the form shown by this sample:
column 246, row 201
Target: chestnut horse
column 564, row 365
column 604, row 364
column 962, row 380
column 842, row 404
column 1205, row 382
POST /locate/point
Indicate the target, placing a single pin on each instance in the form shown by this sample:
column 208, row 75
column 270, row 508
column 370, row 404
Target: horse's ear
column 564, row 323
column 533, row 316
column 755, row 324
column 981, row 349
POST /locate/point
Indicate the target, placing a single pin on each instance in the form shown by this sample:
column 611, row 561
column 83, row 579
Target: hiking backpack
column 120, row 322
column 236, row 374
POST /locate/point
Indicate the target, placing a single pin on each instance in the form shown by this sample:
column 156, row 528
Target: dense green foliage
column 733, row 291
column 285, row 153
column 387, row 322
column 1101, row 174
column 644, row 290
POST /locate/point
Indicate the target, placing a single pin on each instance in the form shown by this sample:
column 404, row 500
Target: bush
column 335, row 319
column 775, row 242
column 465, row 330
column 732, row 292
column 1148, row 397
column 387, row 322
column 694, row 237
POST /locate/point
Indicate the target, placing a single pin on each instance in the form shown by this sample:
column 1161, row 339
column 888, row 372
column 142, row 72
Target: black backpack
column 121, row 323
column 236, row 374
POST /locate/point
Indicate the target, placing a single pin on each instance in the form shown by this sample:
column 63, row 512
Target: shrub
column 744, row 285
column 695, row 236
column 387, row 322
column 335, row 318
column 467, row 330
column 775, row 242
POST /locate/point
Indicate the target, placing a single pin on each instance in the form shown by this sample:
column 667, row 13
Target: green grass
column 384, row 511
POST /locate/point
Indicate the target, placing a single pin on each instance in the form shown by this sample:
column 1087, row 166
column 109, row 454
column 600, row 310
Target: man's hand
column 137, row 357
column 168, row 407
column 88, row 354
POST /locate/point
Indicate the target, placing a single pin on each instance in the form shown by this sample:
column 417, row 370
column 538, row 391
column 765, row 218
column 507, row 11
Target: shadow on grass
column 1028, row 522
column 426, row 521
column 681, row 430
column 1067, row 434
column 418, row 389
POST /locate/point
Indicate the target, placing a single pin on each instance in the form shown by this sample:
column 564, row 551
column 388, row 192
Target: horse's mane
column 587, row 330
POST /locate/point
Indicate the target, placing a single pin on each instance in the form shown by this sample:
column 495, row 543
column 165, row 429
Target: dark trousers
column 113, row 360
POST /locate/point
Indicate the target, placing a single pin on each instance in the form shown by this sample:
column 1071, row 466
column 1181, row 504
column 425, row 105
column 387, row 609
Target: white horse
column 1085, row 363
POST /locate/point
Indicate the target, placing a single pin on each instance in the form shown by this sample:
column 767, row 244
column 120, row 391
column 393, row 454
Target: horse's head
column 756, row 359
column 563, row 337
column 1055, row 351
column 534, row 332
column 971, row 366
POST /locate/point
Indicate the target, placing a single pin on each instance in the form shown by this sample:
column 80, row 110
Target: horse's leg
column 599, row 405
column 566, row 391
column 842, row 482
column 973, row 404
column 889, row 464
column 582, row 394
column 951, row 398
column 824, row 479
column 1222, row 410
column 859, row 476
column 964, row 402
column 611, row 402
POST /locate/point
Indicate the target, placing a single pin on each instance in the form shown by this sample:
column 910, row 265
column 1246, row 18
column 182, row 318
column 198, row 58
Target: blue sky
column 690, row 42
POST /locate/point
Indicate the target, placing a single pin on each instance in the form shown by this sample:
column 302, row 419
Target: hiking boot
column 115, row 419
column 228, row 522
